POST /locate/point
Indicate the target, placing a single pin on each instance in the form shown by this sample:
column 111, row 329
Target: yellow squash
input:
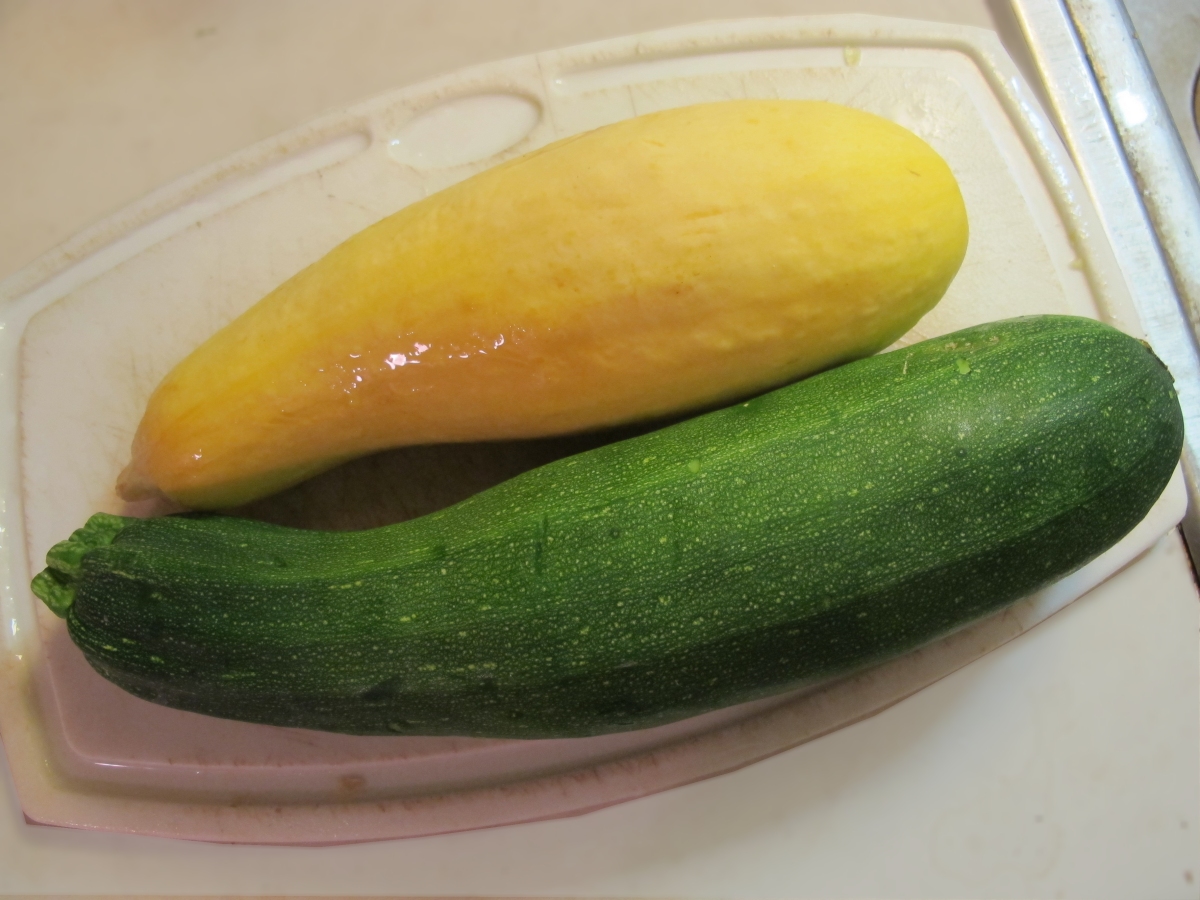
column 664, row 263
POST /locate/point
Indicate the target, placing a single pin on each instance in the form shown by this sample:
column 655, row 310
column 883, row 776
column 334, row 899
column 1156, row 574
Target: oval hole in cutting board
column 1196, row 102
column 464, row 130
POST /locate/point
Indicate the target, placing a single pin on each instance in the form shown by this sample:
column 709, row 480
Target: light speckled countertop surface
column 1079, row 775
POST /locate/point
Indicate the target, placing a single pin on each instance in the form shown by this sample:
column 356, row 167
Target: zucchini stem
column 55, row 585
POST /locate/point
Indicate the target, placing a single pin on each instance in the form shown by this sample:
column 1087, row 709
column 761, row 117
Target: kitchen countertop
column 1079, row 776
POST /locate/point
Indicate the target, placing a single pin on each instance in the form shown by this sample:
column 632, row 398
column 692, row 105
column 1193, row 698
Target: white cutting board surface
column 1021, row 251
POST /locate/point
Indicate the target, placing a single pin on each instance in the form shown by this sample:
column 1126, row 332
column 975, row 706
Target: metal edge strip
column 1085, row 117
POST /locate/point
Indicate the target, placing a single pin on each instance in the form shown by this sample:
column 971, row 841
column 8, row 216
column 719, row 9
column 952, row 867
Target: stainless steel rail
column 1116, row 126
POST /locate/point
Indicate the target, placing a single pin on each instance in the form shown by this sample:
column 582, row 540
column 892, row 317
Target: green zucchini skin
column 798, row 536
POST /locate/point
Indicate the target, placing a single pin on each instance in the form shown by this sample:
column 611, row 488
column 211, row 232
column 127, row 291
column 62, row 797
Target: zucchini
column 801, row 535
